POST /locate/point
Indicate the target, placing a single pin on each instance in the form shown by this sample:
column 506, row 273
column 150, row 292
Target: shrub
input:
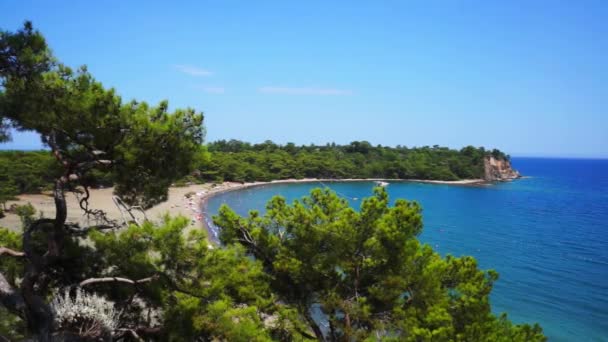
column 88, row 313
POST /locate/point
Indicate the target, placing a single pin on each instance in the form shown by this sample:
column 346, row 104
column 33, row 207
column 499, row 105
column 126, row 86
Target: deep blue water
column 547, row 236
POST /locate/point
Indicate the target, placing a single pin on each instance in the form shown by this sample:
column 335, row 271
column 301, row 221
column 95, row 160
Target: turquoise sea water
column 546, row 235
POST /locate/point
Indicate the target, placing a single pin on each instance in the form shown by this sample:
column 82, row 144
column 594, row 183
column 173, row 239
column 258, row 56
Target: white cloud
column 303, row 91
column 213, row 90
column 192, row 70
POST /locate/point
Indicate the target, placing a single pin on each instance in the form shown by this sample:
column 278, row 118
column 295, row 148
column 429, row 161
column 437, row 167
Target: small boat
column 381, row 183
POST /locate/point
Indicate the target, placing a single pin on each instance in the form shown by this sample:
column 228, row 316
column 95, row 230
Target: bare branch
column 117, row 280
column 122, row 206
column 51, row 141
column 137, row 332
column 98, row 214
column 83, row 166
column 11, row 252
column 132, row 332
column 91, row 150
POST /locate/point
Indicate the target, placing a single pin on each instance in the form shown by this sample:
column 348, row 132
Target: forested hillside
column 233, row 160
column 239, row 161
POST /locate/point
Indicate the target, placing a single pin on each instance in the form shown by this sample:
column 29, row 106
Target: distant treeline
column 34, row 171
column 27, row 172
column 237, row 161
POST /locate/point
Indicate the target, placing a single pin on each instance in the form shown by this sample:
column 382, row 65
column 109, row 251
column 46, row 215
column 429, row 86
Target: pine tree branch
column 11, row 252
column 137, row 332
column 91, row 281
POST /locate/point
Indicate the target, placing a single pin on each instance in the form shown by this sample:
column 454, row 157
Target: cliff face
column 499, row 170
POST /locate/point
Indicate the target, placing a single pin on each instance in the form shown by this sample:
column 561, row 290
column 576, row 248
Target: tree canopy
column 366, row 269
column 234, row 160
column 87, row 128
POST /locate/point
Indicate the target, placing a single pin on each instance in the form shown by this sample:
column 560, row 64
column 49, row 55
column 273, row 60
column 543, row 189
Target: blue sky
column 528, row 77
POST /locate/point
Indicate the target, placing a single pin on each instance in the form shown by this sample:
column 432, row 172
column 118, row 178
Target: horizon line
column 513, row 155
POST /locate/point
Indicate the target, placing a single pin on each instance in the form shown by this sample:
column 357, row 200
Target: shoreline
column 189, row 201
column 234, row 186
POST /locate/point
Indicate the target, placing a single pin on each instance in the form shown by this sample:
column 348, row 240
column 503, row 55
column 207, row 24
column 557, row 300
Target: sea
column 546, row 234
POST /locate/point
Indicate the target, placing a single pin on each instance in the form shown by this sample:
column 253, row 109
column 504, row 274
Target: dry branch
column 91, row 281
column 11, row 252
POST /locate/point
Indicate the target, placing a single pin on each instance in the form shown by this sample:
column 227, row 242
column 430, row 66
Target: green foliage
column 10, row 267
column 26, row 172
column 93, row 137
column 8, row 188
column 159, row 149
column 203, row 292
column 89, row 127
column 368, row 271
column 23, row 172
column 29, row 48
column 12, row 327
column 196, row 292
column 365, row 269
column 238, row 161
column 26, row 213
column 499, row 155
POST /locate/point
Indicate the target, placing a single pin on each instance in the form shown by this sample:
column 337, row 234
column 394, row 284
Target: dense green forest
column 240, row 161
column 28, row 171
column 113, row 280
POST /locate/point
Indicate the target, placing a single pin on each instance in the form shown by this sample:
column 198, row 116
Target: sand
column 102, row 199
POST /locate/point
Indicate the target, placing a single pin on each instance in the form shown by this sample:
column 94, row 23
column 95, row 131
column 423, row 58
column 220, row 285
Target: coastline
column 234, row 186
column 189, row 201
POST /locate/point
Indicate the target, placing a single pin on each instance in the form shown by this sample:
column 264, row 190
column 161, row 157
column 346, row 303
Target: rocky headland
column 499, row 170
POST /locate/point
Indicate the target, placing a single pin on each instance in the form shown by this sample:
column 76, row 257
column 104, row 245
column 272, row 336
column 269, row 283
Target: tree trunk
column 332, row 328
column 39, row 315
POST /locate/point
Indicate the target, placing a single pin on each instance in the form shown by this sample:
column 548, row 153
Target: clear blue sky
column 528, row 77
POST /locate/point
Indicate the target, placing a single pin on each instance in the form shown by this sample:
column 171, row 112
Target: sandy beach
column 188, row 201
column 177, row 203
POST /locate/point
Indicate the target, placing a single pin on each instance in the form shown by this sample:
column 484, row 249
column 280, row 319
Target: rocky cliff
column 499, row 170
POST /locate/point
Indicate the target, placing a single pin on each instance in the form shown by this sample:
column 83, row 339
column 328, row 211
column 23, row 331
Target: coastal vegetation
column 110, row 280
column 367, row 272
column 237, row 161
column 27, row 171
